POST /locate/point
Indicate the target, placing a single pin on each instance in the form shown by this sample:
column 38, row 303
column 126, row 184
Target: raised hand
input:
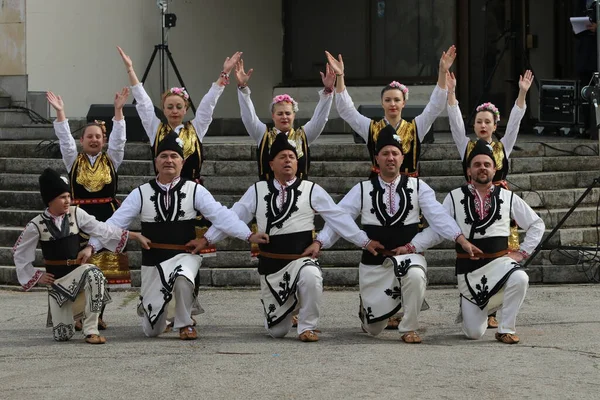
column 241, row 75
column 313, row 250
column 329, row 77
column 126, row 59
column 230, row 62
column 450, row 82
column 121, row 98
column 447, row 59
column 336, row 65
column 259, row 238
column 525, row 80
column 55, row 101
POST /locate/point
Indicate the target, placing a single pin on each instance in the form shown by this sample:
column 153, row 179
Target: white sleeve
column 428, row 237
column 68, row 147
column 145, row 110
column 433, row 109
column 109, row 236
column 512, row 128
column 527, row 219
column 346, row 110
column 340, row 221
column 205, row 110
column 24, row 256
column 457, row 127
column 124, row 216
column 349, row 204
column 221, row 217
column 315, row 126
column 436, row 215
column 116, row 143
column 255, row 127
column 244, row 209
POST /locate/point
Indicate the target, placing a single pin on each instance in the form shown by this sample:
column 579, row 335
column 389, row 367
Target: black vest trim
column 380, row 208
column 276, row 217
column 64, row 248
column 171, row 213
column 472, row 218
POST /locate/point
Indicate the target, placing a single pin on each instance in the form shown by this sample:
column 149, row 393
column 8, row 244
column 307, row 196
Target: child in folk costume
column 68, row 273
column 94, row 179
column 283, row 110
column 485, row 125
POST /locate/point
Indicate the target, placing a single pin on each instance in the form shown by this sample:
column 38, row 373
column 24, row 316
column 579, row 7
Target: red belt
column 103, row 200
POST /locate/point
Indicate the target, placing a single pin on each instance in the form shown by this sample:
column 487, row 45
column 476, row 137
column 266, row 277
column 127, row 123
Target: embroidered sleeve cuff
column 122, row 242
column 411, row 248
column 457, row 235
column 34, row 279
column 524, row 254
column 366, row 243
column 247, row 237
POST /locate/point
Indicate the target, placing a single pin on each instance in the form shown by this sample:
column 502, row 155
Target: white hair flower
column 292, row 143
column 397, row 138
column 179, row 142
column 65, row 180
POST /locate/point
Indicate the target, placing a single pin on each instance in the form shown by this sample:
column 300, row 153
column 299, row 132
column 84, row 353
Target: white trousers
column 63, row 326
column 413, row 294
column 183, row 295
column 309, row 291
column 474, row 322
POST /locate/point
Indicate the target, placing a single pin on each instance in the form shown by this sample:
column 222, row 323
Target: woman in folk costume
column 175, row 103
column 393, row 99
column 93, row 179
column 283, row 112
column 486, row 123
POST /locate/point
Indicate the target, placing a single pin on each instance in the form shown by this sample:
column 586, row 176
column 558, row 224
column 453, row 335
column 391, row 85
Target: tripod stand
column 167, row 21
column 560, row 223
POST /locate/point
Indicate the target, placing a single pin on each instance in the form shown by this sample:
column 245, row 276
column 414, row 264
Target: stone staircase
column 550, row 177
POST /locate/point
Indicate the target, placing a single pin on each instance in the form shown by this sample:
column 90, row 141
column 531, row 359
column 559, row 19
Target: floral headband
column 101, row 124
column 491, row 108
column 401, row 87
column 287, row 98
column 179, row 91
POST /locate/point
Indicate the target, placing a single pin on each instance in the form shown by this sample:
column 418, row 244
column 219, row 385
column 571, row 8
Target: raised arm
column 144, row 105
column 68, row 147
column 255, row 127
column 207, row 105
column 437, row 101
column 457, row 124
column 517, row 113
column 117, row 137
column 315, row 126
column 343, row 102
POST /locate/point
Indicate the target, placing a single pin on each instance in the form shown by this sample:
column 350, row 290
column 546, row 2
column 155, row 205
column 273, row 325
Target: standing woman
column 393, row 99
column 283, row 112
column 486, row 123
column 93, row 178
column 175, row 103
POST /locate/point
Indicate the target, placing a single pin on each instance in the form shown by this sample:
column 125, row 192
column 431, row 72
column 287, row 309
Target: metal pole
column 162, row 58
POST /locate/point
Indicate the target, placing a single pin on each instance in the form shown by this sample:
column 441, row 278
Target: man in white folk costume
column 167, row 207
column 389, row 205
column 493, row 279
column 67, row 274
column 285, row 208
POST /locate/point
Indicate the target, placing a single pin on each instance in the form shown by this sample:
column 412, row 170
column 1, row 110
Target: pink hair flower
column 284, row 98
column 401, row 87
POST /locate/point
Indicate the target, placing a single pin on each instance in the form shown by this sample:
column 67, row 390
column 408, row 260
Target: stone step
column 563, row 198
column 326, row 148
column 5, row 101
column 27, row 132
column 345, row 276
column 318, row 168
column 15, row 118
column 333, row 184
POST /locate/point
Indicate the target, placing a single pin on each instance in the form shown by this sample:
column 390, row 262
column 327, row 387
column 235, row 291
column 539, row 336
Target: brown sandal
column 95, row 339
column 411, row 337
column 188, row 333
column 393, row 322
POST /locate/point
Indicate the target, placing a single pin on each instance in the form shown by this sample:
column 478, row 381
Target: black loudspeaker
column 133, row 125
column 376, row 112
column 558, row 102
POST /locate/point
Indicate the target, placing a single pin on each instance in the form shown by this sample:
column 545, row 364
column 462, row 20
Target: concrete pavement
column 558, row 358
